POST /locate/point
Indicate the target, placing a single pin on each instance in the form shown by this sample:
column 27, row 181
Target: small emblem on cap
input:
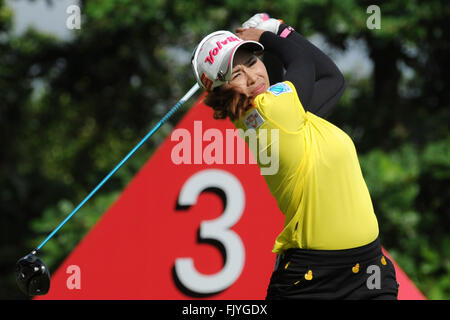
column 253, row 120
column 207, row 82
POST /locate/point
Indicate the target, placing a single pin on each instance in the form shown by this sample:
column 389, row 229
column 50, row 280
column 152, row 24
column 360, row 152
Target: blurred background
column 74, row 101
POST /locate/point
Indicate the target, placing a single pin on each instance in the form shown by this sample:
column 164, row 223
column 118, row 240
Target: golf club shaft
column 155, row 128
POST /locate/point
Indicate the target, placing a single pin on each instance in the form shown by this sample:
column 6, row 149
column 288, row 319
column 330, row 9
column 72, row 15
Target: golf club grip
column 151, row 132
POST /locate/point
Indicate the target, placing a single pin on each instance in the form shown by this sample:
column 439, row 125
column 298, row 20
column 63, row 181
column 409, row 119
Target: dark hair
column 227, row 103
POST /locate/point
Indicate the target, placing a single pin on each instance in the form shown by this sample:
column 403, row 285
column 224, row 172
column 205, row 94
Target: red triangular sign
column 183, row 231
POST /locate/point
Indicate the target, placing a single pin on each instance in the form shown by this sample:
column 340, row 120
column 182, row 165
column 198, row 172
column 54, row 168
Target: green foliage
column 70, row 110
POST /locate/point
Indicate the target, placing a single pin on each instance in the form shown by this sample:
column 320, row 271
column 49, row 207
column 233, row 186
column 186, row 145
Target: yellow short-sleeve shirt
column 319, row 186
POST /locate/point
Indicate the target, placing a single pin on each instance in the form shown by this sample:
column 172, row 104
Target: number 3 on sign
column 217, row 229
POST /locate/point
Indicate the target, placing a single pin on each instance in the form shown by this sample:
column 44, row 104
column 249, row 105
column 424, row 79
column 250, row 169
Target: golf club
column 32, row 275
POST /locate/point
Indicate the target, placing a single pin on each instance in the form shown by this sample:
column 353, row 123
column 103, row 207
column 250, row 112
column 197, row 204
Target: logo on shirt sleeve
column 280, row 88
column 253, row 120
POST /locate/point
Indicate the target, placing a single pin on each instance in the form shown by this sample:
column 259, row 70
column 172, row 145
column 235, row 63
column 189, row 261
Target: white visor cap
column 212, row 60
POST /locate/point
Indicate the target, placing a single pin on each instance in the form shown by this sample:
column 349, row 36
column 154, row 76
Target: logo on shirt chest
column 253, row 120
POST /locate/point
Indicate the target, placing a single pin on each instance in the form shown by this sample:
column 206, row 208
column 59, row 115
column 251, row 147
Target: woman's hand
column 249, row 34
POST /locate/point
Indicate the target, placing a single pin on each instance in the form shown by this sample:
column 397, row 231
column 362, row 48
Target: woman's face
column 249, row 75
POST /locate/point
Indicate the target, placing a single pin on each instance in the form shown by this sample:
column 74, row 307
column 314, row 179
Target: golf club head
column 32, row 275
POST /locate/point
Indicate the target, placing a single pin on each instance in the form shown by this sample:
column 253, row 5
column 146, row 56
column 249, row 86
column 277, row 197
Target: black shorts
column 358, row 273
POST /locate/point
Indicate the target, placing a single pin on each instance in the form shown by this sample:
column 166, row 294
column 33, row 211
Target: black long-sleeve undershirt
column 318, row 81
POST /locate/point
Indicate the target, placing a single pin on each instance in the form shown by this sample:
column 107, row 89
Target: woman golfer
column 329, row 246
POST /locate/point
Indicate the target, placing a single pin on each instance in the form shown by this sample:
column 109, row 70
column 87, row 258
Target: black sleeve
column 329, row 83
column 274, row 67
column 299, row 67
